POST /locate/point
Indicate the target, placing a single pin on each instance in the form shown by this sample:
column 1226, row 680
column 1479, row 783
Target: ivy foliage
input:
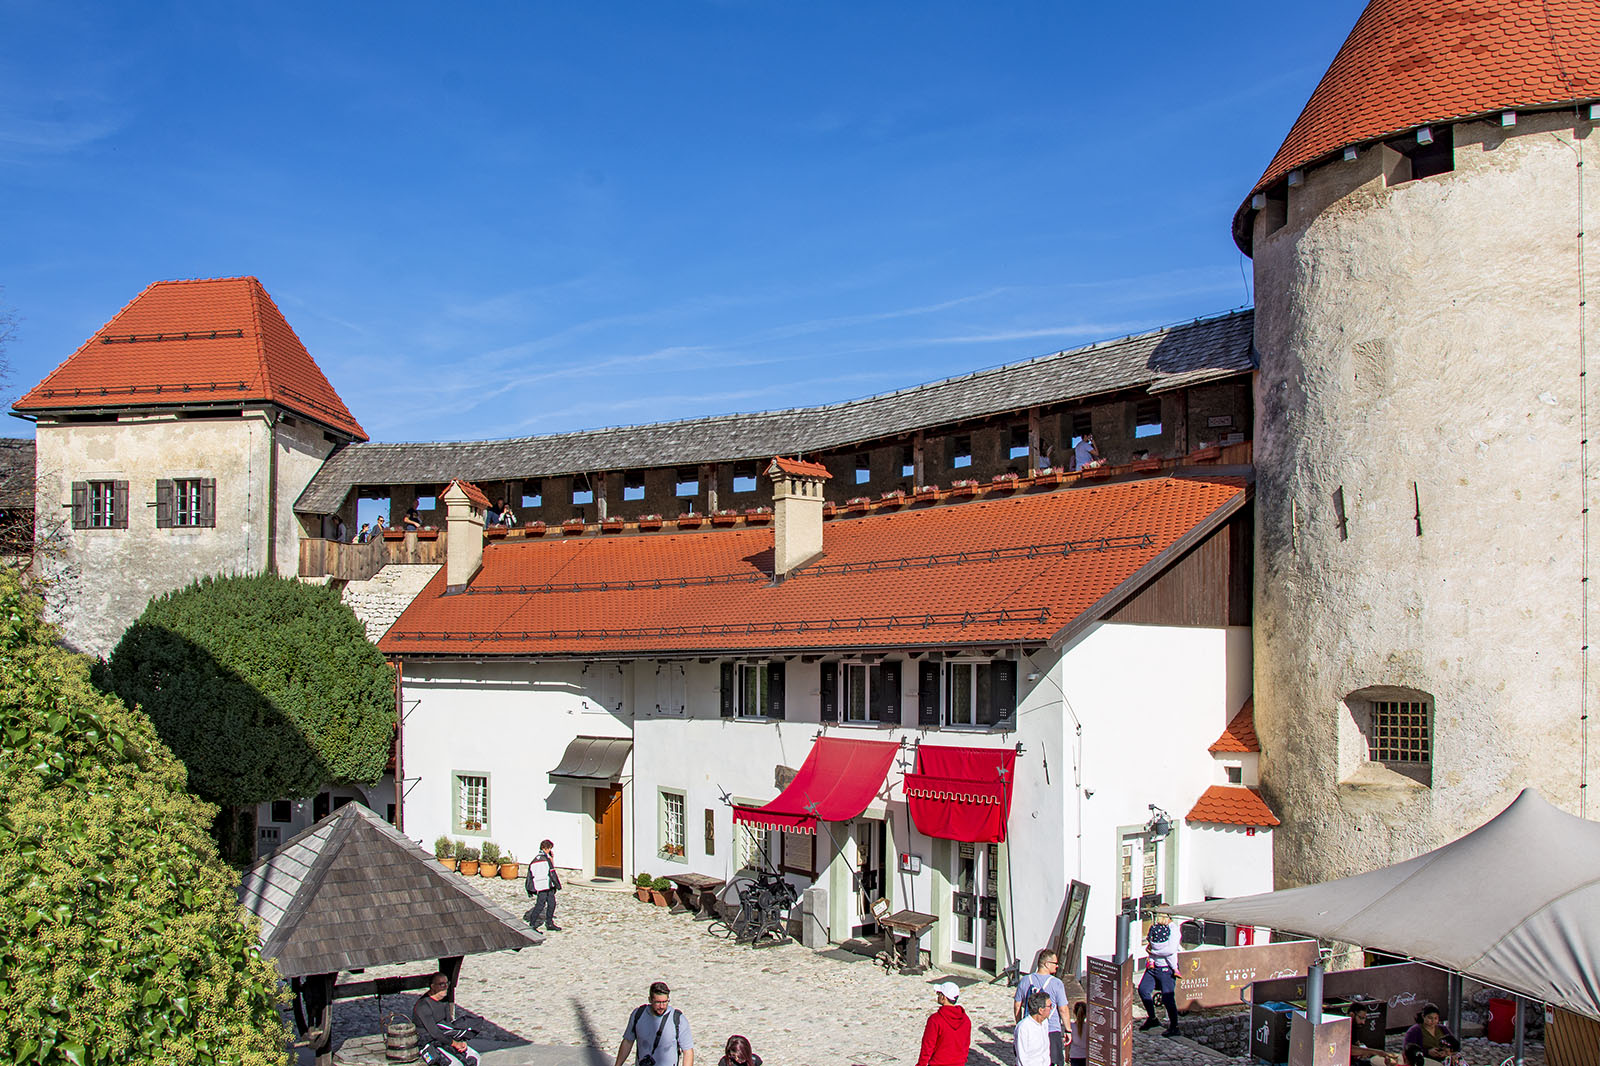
column 121, row 935
column 265, row 687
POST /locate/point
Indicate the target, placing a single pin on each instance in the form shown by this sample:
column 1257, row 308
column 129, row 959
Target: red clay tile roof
column 474, row 493
column 1240, row 734
column 1410, row 63
column 213, row 340
column 1034, row 564
column 1231, row 805
column 795, row 466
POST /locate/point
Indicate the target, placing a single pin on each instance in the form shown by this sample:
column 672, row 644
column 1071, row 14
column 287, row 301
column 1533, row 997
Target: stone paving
column 798, row 1007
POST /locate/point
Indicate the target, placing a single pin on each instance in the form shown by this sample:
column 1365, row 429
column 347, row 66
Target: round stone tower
column 1422, row 556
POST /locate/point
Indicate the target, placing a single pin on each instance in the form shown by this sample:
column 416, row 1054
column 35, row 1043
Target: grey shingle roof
column 351, row 892
column 16, row 473
column 1170, row 358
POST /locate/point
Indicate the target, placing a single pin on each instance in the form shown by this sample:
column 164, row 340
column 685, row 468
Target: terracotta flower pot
column 572, row 528
column 642, row 895
column 650, row 523
column 468, row 868
column 533, row 529
column 690, row 521
column 508, row 871
column 448, row 862
column 613, row 525
column 661, row 899
column 488, row 870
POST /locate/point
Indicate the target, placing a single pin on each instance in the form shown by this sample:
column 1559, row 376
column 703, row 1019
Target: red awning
column 835, row 784
column 961, row 793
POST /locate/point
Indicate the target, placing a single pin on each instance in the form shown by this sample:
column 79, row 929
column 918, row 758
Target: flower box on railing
column 963, row 487
column 572, row 527
column 690, row 521
column 394, row 534
column 613, row 525
column 1101, row 470
column 427, row 534
column 1049, row 475
column 927, row 492
column 757, row 516
column 495, row 532
column 1206, row 453
column 725, row 517
column 533, row 529
column 650, row 521
column 1005, row 482
column 892, row 498
column 829, row 509
column 1145, row 465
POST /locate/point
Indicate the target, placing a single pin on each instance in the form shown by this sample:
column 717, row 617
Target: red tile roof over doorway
column 981, row 573
column 208, row 341
column 1232, row 805
column 1410, row 63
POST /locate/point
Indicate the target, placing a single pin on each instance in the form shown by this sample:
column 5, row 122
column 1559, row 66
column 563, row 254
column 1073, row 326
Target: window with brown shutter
column 165, row 490
column 208, row 502
column 99, row 505
column 119, row 505
column 80, row 505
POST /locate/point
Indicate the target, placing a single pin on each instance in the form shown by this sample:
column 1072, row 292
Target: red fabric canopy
column 835, row 784
column 961, row 793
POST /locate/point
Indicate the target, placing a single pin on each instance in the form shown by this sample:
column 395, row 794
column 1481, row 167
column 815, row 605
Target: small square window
column 1401, row 732
column 1147, row 418
column 1235, row 775
column 1019, row 443
column 427, row 503
column 960, row 452
column 281, row 811
column 582, row 495
column 863, row 469
column 633, row 485
column 532, row 494
column 908, row 462
column 744, row 477
column 688, row 482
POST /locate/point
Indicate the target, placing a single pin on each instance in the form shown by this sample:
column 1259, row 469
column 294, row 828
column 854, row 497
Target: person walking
column 947, row 1037
column 542, row 884
column 738, row 1052
column 1032, row 1040
column 1078, row 1046
column 659, row 1032
column 1161, row 972
column 1044, row 979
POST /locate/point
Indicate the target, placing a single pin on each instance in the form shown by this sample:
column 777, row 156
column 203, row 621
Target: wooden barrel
column 399, row 1041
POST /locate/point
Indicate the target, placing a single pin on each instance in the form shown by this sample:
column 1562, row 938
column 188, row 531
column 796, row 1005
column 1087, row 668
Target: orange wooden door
column 608, row 831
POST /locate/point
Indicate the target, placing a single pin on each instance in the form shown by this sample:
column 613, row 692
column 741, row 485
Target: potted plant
column 641, row 887
column 690, row 521
column 857, row 503
column 927, row 492
column 613, row 524
column 427, row 533
column 489, row 861
column 508, row 867
column 661, row 893
column 572, row 527
column 963, row 487
column 468, row 866
column 650, row 521
column 533, row 529
column 757, row 516
column 892, row 498
column 495, row 532
column 1006, row 481
column 444, row 849
column 725, row 517
column 394, row 534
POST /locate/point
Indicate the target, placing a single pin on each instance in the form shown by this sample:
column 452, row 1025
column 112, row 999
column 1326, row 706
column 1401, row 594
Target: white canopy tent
column 1515, row 904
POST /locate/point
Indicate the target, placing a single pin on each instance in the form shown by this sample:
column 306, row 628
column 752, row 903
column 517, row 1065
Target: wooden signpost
column 1110, row 996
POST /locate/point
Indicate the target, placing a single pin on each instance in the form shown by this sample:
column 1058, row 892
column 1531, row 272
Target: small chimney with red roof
column 796, row 513
column 464, row 505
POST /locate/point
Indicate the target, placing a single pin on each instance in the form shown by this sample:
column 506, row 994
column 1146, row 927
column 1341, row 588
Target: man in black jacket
column 431, row 1015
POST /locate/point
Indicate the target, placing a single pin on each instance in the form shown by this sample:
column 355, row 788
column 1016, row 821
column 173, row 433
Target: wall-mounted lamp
column 1160, row 823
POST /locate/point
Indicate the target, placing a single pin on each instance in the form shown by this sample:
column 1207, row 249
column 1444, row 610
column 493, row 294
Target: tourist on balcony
column 365, row 534
column 412, row 520
column 1085, row 454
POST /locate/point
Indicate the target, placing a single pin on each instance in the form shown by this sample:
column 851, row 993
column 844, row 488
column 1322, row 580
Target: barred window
column 672, row 834
column 472, row 803
column 754, row 845
column 1401, row 732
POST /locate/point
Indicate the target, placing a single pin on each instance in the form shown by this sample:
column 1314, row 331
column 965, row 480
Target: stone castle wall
column 1419, row 489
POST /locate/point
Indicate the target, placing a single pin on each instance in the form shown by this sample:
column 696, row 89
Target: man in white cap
column 947, row 1037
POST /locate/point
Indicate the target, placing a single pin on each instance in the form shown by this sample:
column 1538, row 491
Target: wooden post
column 599, row 484
column 1033, row 439
column 918, row 467
column 451, row 968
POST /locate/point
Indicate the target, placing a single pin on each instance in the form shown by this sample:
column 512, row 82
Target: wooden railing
column 358, row 562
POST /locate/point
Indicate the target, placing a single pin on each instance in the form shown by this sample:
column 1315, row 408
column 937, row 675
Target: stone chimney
column 464, row 505
column 796, row 513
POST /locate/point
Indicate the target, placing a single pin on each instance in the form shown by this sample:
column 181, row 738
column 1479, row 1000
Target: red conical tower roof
column 1412, row 63
column 208, row 341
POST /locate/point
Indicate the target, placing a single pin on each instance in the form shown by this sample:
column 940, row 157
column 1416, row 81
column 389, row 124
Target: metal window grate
column 1401, row 731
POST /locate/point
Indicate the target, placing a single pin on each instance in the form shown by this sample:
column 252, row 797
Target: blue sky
column 493, row 220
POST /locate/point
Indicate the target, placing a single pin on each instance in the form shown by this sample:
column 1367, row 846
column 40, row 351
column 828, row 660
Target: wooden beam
column 381, row 986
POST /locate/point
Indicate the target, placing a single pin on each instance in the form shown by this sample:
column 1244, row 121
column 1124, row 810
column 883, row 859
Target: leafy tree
column 121, row 937
column 265, row 687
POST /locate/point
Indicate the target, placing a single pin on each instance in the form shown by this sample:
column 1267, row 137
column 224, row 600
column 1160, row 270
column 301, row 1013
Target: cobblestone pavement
column 798, row 1007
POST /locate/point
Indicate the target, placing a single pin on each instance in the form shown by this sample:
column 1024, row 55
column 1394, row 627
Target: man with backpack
column 542, row 884
column 660, row 1033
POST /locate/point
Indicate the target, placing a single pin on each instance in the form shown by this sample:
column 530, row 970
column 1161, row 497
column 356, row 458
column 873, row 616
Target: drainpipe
column 399, row 750
column 272, row 492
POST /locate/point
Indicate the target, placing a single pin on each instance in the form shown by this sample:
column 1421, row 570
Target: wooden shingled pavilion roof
column 352, row 892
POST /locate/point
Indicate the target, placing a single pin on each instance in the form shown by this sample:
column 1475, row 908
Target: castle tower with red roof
column 1421, row 421
column 172, row 445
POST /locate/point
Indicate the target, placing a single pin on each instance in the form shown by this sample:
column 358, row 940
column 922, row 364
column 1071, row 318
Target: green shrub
column 643, row 880
column 443, row 848
column 491, row 853
column 469, row 854
column 459, row 849
column 263, row 686
column 661, row 884
column 121, row 937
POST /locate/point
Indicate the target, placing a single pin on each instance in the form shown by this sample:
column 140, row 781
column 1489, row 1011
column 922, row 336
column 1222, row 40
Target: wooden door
column 608, row 831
